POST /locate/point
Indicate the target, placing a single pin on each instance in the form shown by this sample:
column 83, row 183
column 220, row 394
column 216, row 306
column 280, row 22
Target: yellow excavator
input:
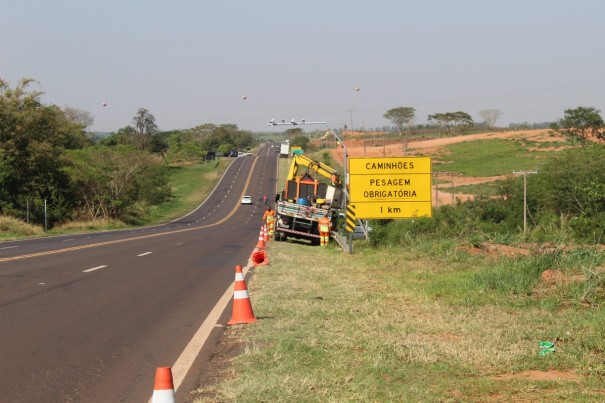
column 305, row 200
column 305, row 186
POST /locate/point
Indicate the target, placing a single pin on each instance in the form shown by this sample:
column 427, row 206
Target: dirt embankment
column 373, row 145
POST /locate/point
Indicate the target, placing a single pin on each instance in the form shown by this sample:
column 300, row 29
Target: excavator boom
column 324, row 170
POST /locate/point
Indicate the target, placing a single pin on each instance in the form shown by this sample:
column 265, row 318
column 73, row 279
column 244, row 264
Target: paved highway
column 90, row 317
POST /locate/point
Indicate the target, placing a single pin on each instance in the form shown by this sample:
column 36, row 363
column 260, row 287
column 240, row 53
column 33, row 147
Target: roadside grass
column 190, row 185
column 86, row 226
column 486, row 158
column 12, row 228
column 426, row 322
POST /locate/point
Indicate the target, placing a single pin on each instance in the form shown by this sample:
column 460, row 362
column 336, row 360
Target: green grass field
column 487, row 158
column 429, row 322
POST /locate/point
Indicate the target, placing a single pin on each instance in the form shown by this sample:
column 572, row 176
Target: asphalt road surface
column 90, row 317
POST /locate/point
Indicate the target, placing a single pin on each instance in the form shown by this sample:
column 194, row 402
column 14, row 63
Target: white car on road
column 246, row 200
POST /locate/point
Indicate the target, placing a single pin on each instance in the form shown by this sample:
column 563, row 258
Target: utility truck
column 305, row 200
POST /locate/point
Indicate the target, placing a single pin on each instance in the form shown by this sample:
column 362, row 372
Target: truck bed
column 300, row 211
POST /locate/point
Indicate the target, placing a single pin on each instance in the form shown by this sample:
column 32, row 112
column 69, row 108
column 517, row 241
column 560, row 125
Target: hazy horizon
column 341, row 62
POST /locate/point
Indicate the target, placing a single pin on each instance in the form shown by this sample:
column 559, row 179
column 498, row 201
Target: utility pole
column 436, row 176
column 524, row 173
column 436, row 189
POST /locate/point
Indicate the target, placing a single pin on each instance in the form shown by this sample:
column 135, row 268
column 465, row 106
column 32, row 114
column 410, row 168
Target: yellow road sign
column 397, row 187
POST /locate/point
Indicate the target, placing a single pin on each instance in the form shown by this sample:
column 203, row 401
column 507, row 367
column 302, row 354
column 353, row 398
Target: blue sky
column 191, row 62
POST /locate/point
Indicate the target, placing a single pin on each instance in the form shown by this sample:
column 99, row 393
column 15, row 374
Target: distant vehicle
column 246, row 200
column 284, row 150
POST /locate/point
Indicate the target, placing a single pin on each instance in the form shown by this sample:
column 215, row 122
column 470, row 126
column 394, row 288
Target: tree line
column 581, row 124
column 47, row 155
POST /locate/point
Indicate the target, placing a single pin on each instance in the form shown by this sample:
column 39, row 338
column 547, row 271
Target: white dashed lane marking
column 93, row 269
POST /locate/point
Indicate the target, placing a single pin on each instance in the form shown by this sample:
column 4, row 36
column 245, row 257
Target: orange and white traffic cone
column 261, row 240
column 242, row 308
column 163, row 391
column 265, row 233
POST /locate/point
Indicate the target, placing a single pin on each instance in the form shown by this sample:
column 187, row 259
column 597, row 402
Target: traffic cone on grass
column 242, row 308
column 259, row 258
column 163, row 391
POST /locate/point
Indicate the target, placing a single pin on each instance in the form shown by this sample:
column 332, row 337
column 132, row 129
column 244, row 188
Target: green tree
column 124, row 136
column 582, row 123
column 224, row 148
column 569, row 189
column 145, row 128
column 110, row 180
column 5, row 174
column 182, row 146
column 402, row 118
column 300, row 141
column 212, row 137
column 33, row 137
column 452, row 123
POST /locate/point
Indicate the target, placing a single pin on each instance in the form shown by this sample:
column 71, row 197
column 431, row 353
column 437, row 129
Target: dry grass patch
column 88, row 226
column 12, row 228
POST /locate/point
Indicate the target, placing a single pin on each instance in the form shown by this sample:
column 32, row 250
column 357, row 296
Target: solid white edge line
column 190, row 353
column 94, row 268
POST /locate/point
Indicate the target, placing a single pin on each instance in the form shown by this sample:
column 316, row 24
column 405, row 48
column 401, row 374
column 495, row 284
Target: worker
column 325, row 225
column 334, row 179
column 269, row 220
